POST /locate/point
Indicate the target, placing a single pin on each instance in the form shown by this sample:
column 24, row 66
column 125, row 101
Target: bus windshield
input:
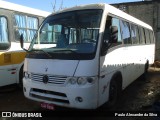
column 69, row 35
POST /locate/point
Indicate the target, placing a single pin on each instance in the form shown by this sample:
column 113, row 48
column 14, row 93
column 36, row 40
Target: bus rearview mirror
column 22, row 42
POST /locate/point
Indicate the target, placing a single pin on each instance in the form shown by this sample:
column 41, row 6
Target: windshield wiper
column 65, row 50
column 47, row 54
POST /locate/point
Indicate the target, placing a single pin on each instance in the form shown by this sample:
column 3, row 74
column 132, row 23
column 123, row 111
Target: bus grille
column 51, row 79
column 52, row 96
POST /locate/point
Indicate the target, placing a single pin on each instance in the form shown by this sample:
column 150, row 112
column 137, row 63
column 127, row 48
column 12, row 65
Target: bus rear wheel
column 144, row 75
column 146, row 67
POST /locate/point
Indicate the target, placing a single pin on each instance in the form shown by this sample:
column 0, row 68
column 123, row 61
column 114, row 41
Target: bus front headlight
column 27, row 75
column 73, row 80
column 81, row 81
column 91, row 80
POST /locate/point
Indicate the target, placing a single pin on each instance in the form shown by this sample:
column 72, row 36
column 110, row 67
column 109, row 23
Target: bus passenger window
column 107, row 33
column 134, row 34
column 25, row 25
column 4, row 42
column 106, row 36
column 125, row 32
column 115, row 22
column 147, row 36
column 142, row 36
column 151, row 36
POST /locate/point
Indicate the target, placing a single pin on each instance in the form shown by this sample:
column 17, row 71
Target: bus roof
column 23, row 9
column 111, row 10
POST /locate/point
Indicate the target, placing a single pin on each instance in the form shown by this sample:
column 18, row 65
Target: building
column 147, row 11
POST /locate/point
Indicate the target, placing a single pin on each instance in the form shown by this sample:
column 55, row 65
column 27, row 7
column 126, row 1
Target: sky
column 47, row 5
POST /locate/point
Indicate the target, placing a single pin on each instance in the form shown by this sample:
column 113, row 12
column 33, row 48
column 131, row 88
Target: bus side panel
column 9, row 66
column 12, row 57
column 7, row 75
column 134, row 61
column 129, row 60
column 7, row 70
column 137, row 57
column 109, row 65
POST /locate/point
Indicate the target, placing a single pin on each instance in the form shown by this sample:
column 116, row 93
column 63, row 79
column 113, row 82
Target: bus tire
column 20, row 84
column 115, row 90
column 146, row 66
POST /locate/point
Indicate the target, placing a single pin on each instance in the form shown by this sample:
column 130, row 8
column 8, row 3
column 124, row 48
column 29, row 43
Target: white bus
column 95, row 52
column 14, row 21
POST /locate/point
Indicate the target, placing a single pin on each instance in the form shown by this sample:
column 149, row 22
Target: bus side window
column 116, row 22
column 142, row 36
column 25, row 25
column 151, row 36
column 134, row 34
column 147, row 36
column 125, row 27
column 4, row 41
column 107, row 33
column 106, row 36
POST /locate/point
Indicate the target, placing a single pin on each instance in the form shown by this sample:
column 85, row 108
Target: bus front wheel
column 114, row 92
column 21, row 78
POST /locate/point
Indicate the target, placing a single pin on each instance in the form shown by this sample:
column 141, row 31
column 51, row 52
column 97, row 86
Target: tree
column 54, row 6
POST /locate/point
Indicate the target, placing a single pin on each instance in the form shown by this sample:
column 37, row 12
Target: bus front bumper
column 73, row 96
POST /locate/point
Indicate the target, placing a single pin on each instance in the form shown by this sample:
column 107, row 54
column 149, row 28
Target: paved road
column 139, row 96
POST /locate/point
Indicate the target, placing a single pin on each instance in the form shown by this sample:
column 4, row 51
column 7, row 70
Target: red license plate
column 47, row 106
